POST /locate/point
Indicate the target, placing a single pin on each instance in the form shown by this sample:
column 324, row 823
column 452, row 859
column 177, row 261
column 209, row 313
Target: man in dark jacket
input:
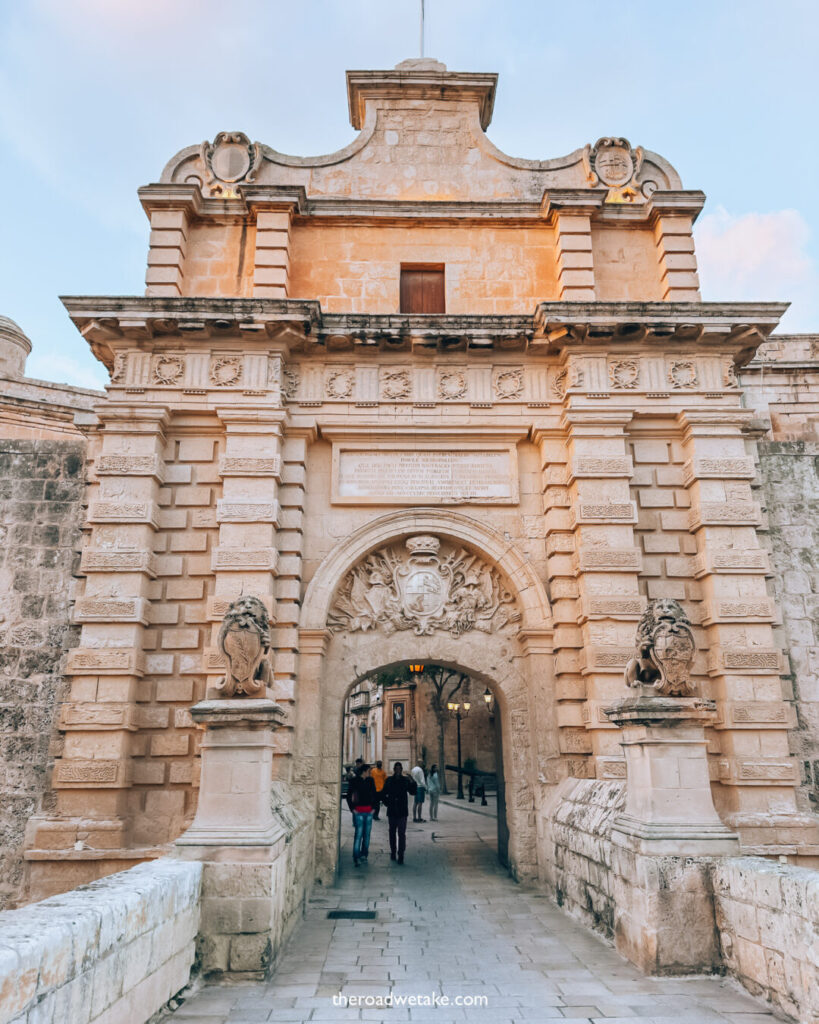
column 394, row 795
column 362, row 799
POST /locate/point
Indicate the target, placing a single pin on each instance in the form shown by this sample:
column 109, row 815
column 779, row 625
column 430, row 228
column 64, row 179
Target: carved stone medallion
column 613, row 162
column 168, row 369
column 231, row 158
column 427, row 589
column 509, row 384
column 682, row 373
column 625, row 373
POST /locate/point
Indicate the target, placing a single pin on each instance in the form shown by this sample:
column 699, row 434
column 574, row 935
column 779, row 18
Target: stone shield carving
column 244, row 641
column 665, row 650
column 425, row 589
column 231, row 158
column 614, row 163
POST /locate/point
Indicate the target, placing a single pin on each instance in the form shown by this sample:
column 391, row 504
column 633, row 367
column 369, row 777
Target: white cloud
column 762, row 257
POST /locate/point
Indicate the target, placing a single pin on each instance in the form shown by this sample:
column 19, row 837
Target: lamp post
column 454, row 709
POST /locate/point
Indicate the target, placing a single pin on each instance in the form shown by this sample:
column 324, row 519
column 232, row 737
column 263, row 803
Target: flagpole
column 422, row 28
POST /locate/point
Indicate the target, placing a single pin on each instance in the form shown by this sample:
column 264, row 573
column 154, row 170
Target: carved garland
column 509, row 384
column 168, row 369
column 396, row 384
column 226, row 371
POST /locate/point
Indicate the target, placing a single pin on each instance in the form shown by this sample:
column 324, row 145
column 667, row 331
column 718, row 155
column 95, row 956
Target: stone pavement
column 450, row 922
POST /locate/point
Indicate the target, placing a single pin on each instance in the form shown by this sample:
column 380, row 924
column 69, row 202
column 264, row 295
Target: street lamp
column 489, row 700
column 454, row 709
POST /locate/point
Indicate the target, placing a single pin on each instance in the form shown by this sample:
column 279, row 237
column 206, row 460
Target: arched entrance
column 400, row 714
column 431, row 587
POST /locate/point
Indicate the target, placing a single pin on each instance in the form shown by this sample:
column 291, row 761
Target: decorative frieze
column 718, row 469
column 111, row 609
column 612, row 606
column 124, row 512
column 131, row 465
column 236, row 466
column 95, row 560
column 757, row 772
column 81, row 715
column 724, row 513
column 599, row 657
column 746, row 660
column 621, row 512
column 624, row 374
column 592, row 468
column 608, row 560
column 232, row 511
column 759, row 610
column 244, row 559
column 751, row 561
column 507, row 385
column 108, row 661
column 76, row 773
column 757, row 713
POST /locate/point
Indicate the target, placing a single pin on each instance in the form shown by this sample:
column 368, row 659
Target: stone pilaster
column 271, row 272
column 755, row 770
column 246, row 558
column 106, row 668
column 573, row 254
column 570, row 686
column 675, row 253
column 607, row 565
column 168, row 246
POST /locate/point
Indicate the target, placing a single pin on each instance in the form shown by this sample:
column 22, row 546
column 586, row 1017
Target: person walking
column 361, row 799
column 379, row 777
column 394, row 797
column 434, row 791
column 421, row 788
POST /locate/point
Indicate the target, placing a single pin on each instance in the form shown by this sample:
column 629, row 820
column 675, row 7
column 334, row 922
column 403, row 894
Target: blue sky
column 96, row 96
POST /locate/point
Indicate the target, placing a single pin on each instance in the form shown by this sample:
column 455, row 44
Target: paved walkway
column 451, row 922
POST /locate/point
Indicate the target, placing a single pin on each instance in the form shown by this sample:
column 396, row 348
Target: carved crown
column 423, row 545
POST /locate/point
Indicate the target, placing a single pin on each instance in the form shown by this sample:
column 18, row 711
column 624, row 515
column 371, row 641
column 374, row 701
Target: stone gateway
column 560, row 481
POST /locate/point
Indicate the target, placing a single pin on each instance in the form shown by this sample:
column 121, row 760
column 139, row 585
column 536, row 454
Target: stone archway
column 508, row 652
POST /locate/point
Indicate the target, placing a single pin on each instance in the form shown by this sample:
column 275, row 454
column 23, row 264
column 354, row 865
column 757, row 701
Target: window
column 422, row 288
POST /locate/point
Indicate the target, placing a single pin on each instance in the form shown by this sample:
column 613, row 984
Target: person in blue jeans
column 361, row 799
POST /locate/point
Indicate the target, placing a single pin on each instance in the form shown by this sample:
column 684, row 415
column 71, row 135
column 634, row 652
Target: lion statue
column 665, row 650
column 244, row 640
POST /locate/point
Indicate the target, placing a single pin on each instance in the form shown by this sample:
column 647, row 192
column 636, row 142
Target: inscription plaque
column 397, row 476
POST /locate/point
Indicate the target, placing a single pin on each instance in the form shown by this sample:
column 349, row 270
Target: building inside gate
column 432, row 404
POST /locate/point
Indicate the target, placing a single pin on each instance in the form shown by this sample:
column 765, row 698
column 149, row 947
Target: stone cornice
column 113, row 322
column 420, row 83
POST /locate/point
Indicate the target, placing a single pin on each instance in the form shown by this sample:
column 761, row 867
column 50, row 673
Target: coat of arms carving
column 665, row 650
column 612, row 162
column 424, row 590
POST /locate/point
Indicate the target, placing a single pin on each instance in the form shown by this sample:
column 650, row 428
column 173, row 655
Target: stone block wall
column 111, row 952
column 41, row 492
column 768, row 920
column 789, row 492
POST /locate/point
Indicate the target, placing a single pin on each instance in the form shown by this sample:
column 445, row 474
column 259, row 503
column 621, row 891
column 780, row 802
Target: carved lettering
column 442, row 477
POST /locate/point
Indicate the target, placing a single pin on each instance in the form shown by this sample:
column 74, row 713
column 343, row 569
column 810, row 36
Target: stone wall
column 41, row 490
column 789, row 477
column 111, row 952
column 768, row 920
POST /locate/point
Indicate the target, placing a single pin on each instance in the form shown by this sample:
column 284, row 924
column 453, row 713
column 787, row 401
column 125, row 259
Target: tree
column 444, row 683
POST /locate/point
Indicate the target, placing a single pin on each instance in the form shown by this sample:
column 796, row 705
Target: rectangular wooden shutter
column 422, row 290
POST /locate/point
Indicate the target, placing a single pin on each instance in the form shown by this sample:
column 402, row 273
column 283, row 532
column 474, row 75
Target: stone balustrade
column 111, row 952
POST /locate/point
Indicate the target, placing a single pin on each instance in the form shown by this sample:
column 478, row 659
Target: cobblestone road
column 451, row 923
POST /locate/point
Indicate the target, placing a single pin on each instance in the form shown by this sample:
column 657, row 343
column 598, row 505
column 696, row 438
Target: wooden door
column 422, row 290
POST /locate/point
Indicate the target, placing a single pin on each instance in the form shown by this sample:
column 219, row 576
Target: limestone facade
column 500, row 487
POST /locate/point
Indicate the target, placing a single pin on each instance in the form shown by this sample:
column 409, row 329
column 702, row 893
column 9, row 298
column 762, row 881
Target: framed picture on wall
column 399, row 716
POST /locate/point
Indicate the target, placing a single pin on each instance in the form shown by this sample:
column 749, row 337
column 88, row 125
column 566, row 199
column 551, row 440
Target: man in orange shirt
column 379, row 777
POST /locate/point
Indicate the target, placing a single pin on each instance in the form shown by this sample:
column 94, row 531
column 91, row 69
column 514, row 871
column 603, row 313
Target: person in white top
column 420, row 781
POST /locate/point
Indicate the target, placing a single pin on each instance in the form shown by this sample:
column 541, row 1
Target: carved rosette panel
column 226, row 371
column 682, row 374
column 624, row 374
column 429, row 586
column 396, row 384
column 508, row 384
column 452, row 385
column 339, row 383
column 168, row 369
